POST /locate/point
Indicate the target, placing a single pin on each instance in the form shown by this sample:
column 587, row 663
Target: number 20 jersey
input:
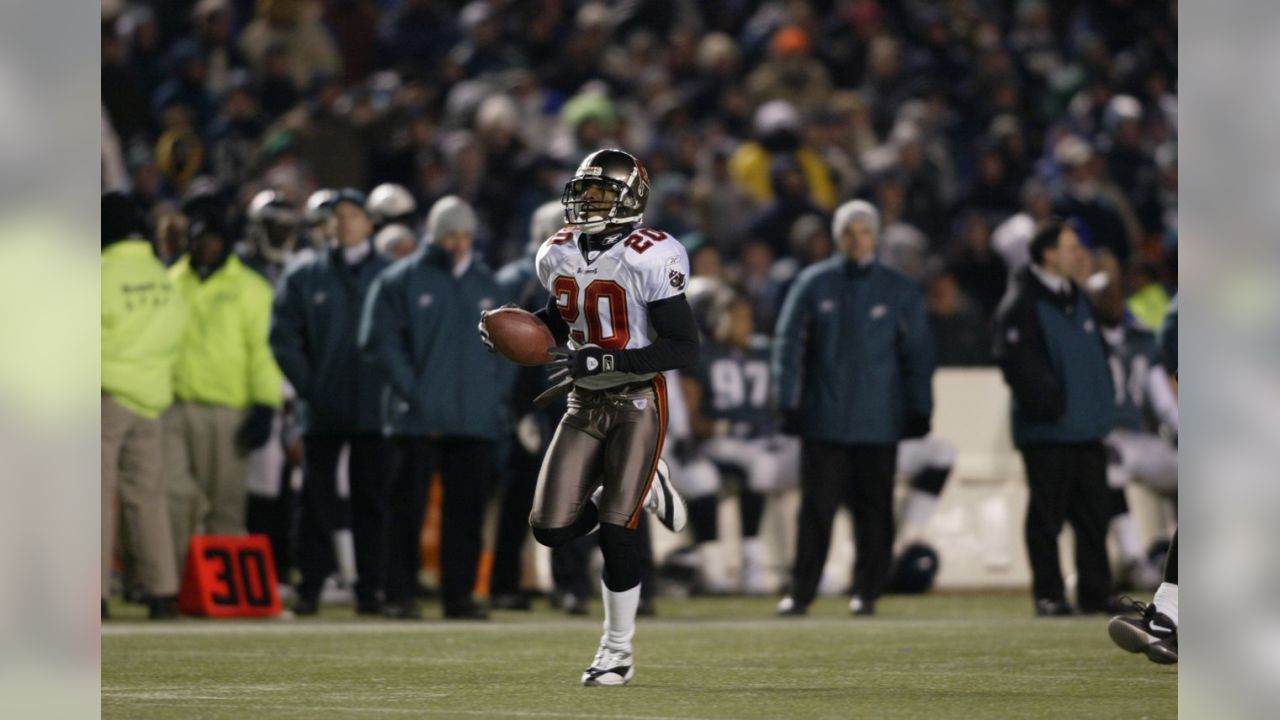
column 605, row 299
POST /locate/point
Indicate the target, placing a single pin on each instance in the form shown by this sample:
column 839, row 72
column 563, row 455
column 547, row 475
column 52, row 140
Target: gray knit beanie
column 450, row 214
column 859, row 210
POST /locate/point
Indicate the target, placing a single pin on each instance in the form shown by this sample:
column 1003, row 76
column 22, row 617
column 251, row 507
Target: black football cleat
column 858, row 606
column 1152, row 634
column 469, row 610
column 162, row 608
column 369, row 607
column 305, row 607
column 510, row 601
column 1045, row 607
column 401, row 610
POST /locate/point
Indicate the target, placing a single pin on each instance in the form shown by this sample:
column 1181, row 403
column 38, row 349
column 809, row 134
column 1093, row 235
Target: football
column 519, row 336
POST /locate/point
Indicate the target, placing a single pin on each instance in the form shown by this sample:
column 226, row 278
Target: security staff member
column 226, row 382
column 142, row 319
column 441, row 409
column 852, row 368
column 314, row 331
column 1054, row 360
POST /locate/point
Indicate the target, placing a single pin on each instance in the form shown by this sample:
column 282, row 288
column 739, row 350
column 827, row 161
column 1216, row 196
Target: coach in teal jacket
column 1054, row 361
column 442, row 406
column 314, row 328
column 852, row 370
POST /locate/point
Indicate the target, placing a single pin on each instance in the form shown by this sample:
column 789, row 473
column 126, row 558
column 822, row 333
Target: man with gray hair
column 441, row 407
column 852, row 371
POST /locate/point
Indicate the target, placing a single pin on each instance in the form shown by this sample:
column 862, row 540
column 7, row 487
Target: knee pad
column 555, row 537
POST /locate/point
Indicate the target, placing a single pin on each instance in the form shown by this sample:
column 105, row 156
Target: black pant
column 569, row 563
column 513, row 520
column 1068, row 481
column 465, row 465
column 274, row 517
column 323, row 511
column 860, row 476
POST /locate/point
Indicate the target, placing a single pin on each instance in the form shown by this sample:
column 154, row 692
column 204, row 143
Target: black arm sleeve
column 550, row 316
column 676, row 345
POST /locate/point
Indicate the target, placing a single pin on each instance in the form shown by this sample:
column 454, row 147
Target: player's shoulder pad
column 650, row 247
column 565, row 237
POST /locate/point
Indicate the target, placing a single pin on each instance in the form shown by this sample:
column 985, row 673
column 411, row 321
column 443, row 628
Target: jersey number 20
column 604, row 299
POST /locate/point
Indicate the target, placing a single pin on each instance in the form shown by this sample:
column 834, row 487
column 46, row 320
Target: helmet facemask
column 592, row 205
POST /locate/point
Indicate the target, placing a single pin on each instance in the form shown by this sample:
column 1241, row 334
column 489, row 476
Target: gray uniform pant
column 206, row 474
column 612, row 436
column 133, row 490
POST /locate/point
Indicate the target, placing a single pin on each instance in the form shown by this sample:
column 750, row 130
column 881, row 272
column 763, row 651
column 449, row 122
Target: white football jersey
column 605, row 299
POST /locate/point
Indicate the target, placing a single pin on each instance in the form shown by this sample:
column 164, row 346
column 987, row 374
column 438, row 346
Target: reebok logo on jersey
column 592, row 364
column 1088, row 326
column 486, row 303
column 1012, row 336
column 425, row 299
column 827, row 305
column 677, row 279
column 879, row 311
column 319, row 298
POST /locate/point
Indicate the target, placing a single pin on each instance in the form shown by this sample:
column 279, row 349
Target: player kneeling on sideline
column 617, row 307
column 729, row 412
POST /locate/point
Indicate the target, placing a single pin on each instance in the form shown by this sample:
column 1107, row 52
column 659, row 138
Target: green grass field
column 961, row 656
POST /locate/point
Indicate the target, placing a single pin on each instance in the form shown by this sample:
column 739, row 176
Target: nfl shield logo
column 677, row 279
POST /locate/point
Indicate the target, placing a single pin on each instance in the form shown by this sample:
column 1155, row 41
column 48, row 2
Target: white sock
column 752, row 552
column 918, row 508
column 619, row 616
column 1126, row 532
column 1166, row 601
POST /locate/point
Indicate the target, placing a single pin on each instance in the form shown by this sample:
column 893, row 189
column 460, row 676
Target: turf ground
column 961, row 656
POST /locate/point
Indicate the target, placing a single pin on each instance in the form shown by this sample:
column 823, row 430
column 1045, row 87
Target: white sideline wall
column 977, row 529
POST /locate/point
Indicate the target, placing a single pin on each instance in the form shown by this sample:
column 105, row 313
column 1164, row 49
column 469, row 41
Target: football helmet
column 390, row 203
column 610, row 188
column 318, row 210
column 273, row 226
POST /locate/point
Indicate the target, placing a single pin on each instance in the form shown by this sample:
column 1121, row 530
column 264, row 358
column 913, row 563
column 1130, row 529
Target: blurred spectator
column 992, row 192
column 1055, row 363
column 755, row 273
column 185, row 87
column 722, row 208
column 142, row 319
column 790, row 73
column 977, row 268
column 415, row 311
column 355, row 30
column 778, row 134
column 852, row 368
column 901, row 245
column 772, row 225
column 124, row 94
column 226, row 382
column 1080, row 197
column 277, row 92
column 1148, row 300
column 1012, row 238
column 331, row 143
column 234, row 135
column 295, row 27
column 961, row 332
column 886, row 85
column 213, row 35
column 314, row 332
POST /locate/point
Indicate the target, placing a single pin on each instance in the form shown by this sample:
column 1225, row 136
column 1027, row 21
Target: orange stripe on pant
column 660, row 396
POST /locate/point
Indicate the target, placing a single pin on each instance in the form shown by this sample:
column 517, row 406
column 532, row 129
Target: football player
column 617, row 307
column 1155, row 631
column 728, row 398
column 1144, row 401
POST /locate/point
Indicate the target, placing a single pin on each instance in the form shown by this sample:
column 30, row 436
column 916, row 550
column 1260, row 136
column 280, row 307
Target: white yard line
column 238, row 627
column 328, row 710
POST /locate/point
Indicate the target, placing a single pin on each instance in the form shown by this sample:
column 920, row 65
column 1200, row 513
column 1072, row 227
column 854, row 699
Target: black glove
column 586, row 361
column 917, row 426
column 790, row 424
column 256, row 429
